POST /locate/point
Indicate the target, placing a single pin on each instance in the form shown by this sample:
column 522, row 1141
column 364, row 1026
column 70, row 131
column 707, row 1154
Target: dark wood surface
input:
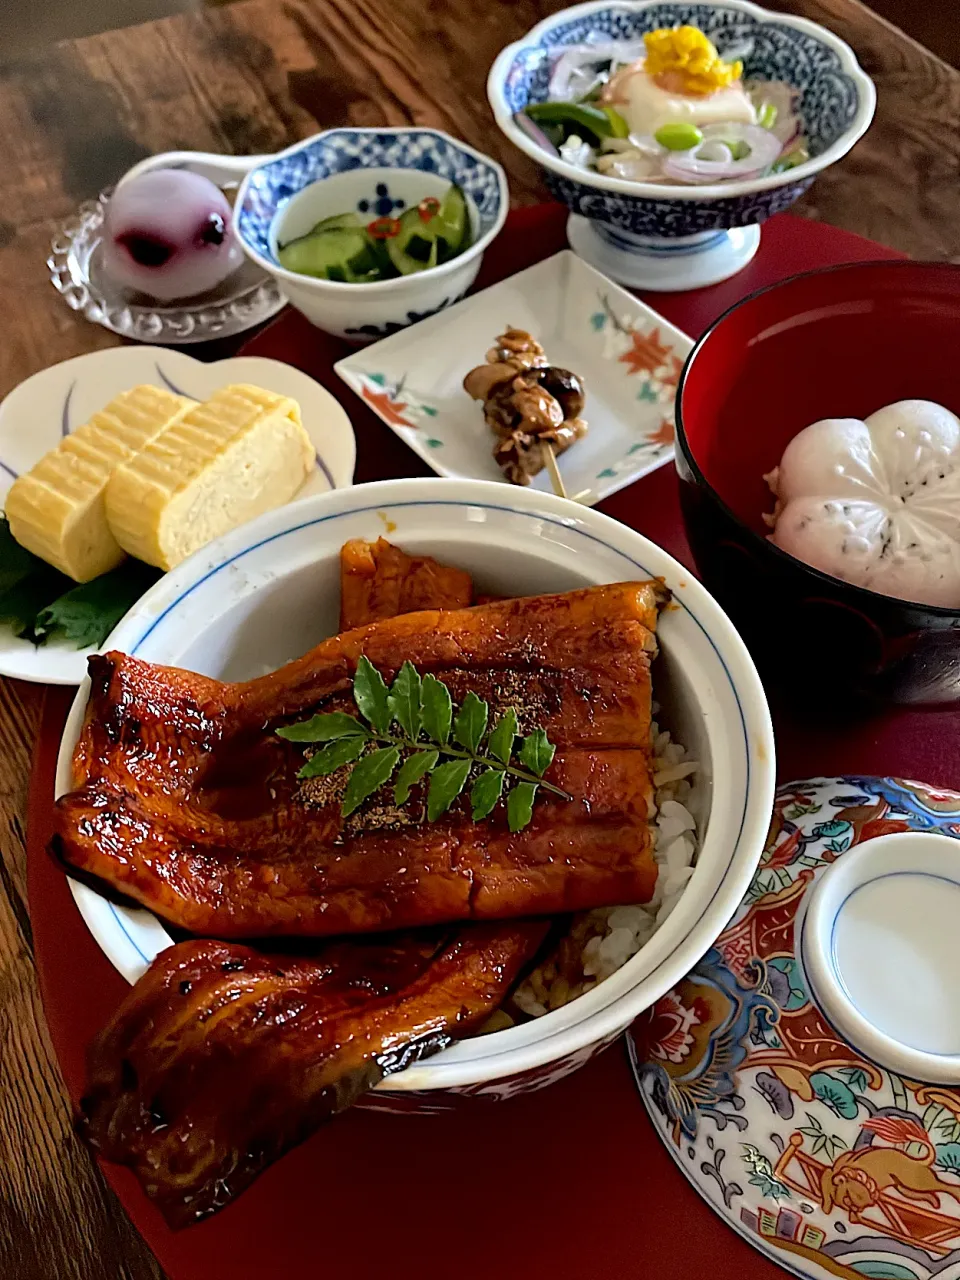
column 254, row 77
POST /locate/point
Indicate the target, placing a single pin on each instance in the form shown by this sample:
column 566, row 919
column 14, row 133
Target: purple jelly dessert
column 168, row 234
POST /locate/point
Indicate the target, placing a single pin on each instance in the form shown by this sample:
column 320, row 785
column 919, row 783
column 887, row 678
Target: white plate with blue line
column 38, row 413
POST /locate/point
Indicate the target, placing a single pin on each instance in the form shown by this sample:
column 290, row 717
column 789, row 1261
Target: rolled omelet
column 240, row 453
column 57, row 509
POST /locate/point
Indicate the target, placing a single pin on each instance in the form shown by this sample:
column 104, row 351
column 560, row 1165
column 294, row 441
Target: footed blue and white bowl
column 650, row 235
column 375, row 171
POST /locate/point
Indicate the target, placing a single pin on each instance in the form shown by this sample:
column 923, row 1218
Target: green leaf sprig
column 37, row 601
column 417, row 732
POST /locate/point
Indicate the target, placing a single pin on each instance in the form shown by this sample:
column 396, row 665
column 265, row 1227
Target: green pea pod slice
column 618, row 126
column 576, row 116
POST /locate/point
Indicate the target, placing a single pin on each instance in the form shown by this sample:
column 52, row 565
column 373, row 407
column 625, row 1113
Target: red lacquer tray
column 569, row 1183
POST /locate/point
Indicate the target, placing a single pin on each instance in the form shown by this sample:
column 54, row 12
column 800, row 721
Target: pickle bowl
column 377, row 173
column 371, row 173
column 270, row 590
column 673, row 236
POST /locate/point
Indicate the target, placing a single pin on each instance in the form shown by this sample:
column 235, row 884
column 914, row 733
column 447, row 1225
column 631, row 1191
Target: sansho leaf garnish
column 412, row 732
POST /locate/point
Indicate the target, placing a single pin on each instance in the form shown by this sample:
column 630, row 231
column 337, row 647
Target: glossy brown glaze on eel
column 189, row 804
column 222, row 1058
column 185, row 1086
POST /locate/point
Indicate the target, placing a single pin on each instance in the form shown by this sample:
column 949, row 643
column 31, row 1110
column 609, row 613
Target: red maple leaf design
column 675, row 366
column 647, row 353
column 664, row 434
column 388, row 408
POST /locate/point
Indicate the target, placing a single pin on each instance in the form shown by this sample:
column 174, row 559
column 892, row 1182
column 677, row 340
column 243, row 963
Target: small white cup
column 878, row 943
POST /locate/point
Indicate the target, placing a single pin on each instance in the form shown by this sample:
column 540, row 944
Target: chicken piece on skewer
column 513, row 352
column 530, row 405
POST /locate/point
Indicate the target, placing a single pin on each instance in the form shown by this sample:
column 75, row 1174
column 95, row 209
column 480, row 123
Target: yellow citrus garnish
column 683, row 60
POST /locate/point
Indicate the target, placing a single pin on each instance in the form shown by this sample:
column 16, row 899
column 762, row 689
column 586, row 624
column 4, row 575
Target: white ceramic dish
column 38, row 413
column 629, row 357
column 270, row 590
column 878, row 941
column 375, row 172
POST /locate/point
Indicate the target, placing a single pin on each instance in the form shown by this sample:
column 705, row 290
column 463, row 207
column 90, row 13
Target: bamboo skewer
column 556, row 479
column 559, row 488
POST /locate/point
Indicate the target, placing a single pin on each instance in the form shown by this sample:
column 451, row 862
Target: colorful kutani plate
column 628, row 356
column 37, row 414
column 830, row 1164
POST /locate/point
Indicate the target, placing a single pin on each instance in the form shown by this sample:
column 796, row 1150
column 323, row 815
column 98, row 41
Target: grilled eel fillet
column 221, row 1058
column 379, row 581
column 188, row 803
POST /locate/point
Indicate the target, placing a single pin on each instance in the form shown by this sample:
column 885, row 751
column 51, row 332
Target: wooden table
column 255, row 77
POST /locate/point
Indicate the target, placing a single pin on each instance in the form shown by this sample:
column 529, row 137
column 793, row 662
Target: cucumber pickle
column 345, row 248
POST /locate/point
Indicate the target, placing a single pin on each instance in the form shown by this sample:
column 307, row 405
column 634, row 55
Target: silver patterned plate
column 245, row 299
column 828, row 1163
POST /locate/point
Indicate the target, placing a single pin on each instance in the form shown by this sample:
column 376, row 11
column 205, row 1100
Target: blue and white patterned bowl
column 837, row 101
column 375, row 171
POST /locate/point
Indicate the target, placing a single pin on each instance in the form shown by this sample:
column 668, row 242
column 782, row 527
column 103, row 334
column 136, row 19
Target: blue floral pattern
column 829, row 102
column 672, row 217
column 829, row 97
column 383, row 203
column 272, row 184
column 384, row 330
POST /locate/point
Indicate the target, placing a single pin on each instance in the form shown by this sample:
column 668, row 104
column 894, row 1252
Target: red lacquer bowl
column 841, row 342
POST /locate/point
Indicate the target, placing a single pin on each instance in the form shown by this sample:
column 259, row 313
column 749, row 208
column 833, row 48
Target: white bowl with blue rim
column 375, row 172
column 269, row 591
column 878, row 947
column 653, row 236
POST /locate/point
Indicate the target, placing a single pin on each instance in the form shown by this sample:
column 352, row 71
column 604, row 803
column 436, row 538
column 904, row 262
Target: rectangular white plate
column 628, row 356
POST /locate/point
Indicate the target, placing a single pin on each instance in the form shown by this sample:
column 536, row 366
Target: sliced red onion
column 785, row 98
column 534, row 132
column 574, row 73
column 686, row 166
column 789, row 135
column 713, row 151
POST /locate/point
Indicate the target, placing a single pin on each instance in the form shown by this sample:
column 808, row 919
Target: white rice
column 600, row 941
